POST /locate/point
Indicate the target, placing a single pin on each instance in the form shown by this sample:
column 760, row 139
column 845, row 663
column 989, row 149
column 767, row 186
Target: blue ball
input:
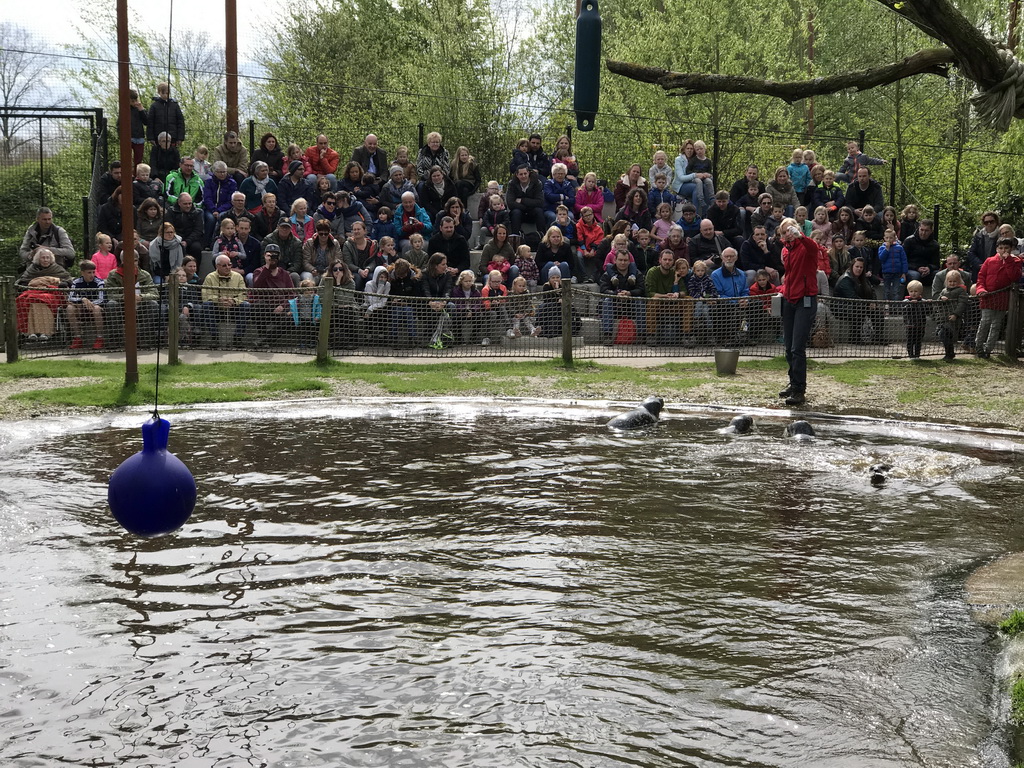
column 152, row 492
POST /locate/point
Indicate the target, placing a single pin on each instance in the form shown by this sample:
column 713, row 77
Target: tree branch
column 933, row 61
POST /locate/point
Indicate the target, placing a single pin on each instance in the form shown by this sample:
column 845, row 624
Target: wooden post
column 323, row 342
column 131, row 351
column 173, row 312
column 230, row 63
column 567, row 322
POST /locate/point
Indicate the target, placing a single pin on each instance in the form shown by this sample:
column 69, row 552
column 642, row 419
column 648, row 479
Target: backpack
column 626, row 333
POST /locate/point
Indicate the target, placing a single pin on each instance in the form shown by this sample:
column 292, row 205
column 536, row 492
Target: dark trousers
column 915, row 333
column 518, row 216
column 797, row 322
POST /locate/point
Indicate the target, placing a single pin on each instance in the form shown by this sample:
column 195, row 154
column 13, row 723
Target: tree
column 21, row 85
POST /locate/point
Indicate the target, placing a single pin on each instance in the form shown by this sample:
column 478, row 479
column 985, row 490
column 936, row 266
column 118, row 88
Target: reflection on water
column 484, row 587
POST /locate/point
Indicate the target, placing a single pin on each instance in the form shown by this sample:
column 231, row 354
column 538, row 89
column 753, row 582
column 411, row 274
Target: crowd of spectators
column 393, row 232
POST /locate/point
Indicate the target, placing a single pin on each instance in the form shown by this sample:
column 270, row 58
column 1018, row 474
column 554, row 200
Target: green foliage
column 1013, row 625
column 1017, row 702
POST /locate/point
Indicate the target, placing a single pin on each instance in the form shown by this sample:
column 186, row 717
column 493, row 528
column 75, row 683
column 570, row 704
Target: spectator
column 269, row 152
column 257, row 185
column 632, row 179
column 144, row 187
column 403, row 162
column 558, row 190
column 323, row 161
column 634, row 212
column 108, row 220
column 319, row 251
column 185, row 179
column 676, row 242
column 350, row 211
column 708, row 246
column 499, row 245
column 463, row 223
column 893, row 260
column 590, row 196
column 864, row 191
column 265, row 221
column 827, row 194
column 726, row 219
column 164, row 157
column 799, row 173
column 660, row 193
column 755, row 256
column 166, row 253
column 147, row 223
column 103, row 259
column 536, row 157
column 952, row 265
column 563, row 154
column 858, row 293
column 111, row 180
column 202, row 160
column 217, row 194
column 234, row 156
column 466, row 175
column 589, row 235
column 416, row 254
column 854, row 161
column 138, row 118
column 85, row 306
column 227, row 243
column 361, row 255
column 434, row 191
column 997, row 273
column 371, row 158
column 344, row 312
column 554, row 251
column 870, row 223
column 224, row 299
column 454, row 246
column 39, row 301
column 351, row 177
column 665, row 308
column 661, row 166
column 253, row 256
column 983, row 242
column 699, row 169
column 524, row 199
column 45, row 234
column 741, row 186
column 621, row 285
column 237, row 211
column 146, row 298
column 908, row 222
column 432, row 154
column 496, row 214
column 165, row 117
column 683, row 183
column 300, row 220
column 727, row 317
column 782, row 191
column 844, row 224
column 272, row 288
column 519, row 156
column 289, row 247
column 923, row 254
column 411, row 218
column 397, row 186
column 294, row 185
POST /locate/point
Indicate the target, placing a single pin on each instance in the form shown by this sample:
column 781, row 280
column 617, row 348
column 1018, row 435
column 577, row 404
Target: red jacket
column 321, row 167
column 756, row 290
column 997, row 273
column 800, row 260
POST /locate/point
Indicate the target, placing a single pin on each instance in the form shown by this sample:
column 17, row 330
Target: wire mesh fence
column 571, row 322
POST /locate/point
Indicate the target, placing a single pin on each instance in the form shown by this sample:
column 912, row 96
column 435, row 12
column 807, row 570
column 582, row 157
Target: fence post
column 1013, row 323
column 86, row 234
column 42, row 186
column 323, row 342
column 860, row 138
column 892, row 182
column 10, row 319
column 421, row 135
column 567, row 323
column 252, row 136
column 716, row 147
column 568, row 135
column 173, row 313
column 935, row 219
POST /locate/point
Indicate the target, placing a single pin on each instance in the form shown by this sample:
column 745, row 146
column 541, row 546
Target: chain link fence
column 572, row 322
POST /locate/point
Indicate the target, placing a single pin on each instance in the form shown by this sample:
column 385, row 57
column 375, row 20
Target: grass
column 1013, row 625
column 1017, row 702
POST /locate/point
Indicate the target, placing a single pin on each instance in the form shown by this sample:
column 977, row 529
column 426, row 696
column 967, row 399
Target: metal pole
column 231, row 63
column 11, row 320
column 252, row 137
column 131, row 357
column 567, row 323
column 42, row 184
column 421, row 136
column 935, row 218
column 714, row 156
column 892, row 182
column 323, row 341
column 86, row 234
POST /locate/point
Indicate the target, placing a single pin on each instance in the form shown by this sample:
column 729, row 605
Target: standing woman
column 466, row 175
column 799, row 305
column 269, row 151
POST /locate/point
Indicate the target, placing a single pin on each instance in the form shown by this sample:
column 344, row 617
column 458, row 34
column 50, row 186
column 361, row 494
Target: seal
column 644, row 416
column 879, row 473
column 741, row 425
column 799, row 428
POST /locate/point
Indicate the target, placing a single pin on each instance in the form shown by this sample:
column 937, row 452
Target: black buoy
column 587, row 81
column 644, row 416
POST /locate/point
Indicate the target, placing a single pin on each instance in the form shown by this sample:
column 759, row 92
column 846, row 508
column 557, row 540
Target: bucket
column 726, row 361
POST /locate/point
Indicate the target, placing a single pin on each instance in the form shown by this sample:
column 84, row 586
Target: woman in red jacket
column 799, row 305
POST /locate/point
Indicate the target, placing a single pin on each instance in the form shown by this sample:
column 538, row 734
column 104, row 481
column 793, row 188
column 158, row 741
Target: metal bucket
column 726, row 361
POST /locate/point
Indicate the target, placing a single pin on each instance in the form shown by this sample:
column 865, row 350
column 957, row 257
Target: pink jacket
column 594, row 199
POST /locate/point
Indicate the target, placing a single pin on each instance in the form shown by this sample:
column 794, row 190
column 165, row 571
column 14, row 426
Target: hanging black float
column 587, row 86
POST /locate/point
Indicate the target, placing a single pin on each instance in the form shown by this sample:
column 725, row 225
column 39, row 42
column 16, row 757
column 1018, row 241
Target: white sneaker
column 485, row 343
column 510, row 333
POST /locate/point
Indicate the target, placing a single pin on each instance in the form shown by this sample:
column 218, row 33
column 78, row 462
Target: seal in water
column 879, row 473
column 741, row 425
column 798, row 428
column 644, row 416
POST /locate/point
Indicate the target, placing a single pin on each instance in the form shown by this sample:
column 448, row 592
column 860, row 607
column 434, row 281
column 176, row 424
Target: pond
column 504, row 584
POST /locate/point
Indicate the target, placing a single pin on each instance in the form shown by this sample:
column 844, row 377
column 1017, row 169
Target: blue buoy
column 152, row 492
column 587, row 81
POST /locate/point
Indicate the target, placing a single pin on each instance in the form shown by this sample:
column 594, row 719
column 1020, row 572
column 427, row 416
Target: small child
column 143, row 186
column 416, row 254
column 646, row 251
column 700, row 286
column 760, row 311
column 520, row 307
column 465, row 312
column 493, row 188
column 915, row 313
column 908, row 222
column 871, row 223
column 527, row 267
column 799, row 173
column 375, row 299
column 387, row 250
column 824, row 262
column 800, row 214
column 495, row 215
column 663, row 224
column 660, row 168
column 810, row 159
column 821, row 221
column 690, row 221
column 893, row 260
column 500, row 265
column 384, row 225
column 368, row 193
column 305, row 312
column 229, row 244
column 660, row 193
column 495, row 315
column 104, row 260
column 771, row 224
column 564, row 223
column 955, row 296
column 201, row 159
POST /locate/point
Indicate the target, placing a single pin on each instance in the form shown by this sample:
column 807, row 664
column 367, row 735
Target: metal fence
column 572, row 322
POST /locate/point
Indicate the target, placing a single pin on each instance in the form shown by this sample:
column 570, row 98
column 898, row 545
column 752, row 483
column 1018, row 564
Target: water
column 503, row 585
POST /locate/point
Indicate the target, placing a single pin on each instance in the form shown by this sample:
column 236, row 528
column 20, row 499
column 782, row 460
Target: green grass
column 1017, row 702
column 1013, row 625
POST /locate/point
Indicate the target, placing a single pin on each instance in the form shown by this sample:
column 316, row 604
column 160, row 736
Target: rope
column 998, row 105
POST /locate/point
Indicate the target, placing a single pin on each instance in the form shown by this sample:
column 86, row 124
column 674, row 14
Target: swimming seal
column 741, row 425
column 644, row 416
column 879, row 473
column 798, row 428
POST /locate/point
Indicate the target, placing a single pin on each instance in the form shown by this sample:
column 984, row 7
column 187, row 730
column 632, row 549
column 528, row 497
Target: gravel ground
column 980, row 395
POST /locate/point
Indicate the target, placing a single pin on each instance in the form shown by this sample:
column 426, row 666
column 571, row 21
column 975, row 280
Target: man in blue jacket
column 730, row 311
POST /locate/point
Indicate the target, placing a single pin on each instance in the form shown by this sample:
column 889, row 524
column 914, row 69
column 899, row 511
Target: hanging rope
column 998, row 105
